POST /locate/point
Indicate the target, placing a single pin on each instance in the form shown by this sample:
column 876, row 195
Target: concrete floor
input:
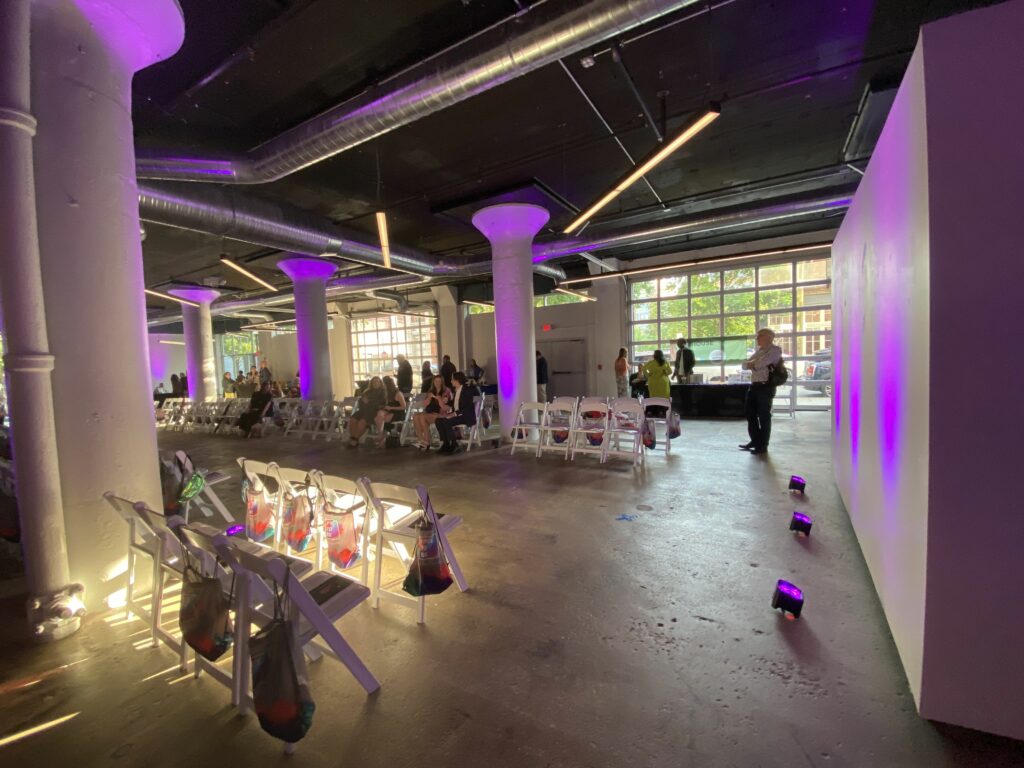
column 584, row 641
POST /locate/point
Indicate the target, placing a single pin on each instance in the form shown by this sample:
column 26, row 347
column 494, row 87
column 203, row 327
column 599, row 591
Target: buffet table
column 709, row 401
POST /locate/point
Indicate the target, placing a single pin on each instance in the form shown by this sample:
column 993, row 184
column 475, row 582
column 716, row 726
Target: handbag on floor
column 429, row 573
column 280, row 680
column 203, row 616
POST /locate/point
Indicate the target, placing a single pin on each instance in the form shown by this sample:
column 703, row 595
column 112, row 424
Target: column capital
column 510, row 221
column 18, row 119
column 200, row 295
column 300, row 268
column 28, row 363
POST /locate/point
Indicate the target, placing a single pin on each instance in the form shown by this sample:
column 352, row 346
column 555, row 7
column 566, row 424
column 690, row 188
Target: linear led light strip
column 577, row 294
column 385, row 247
column 270, row 324
column 694, row 263
column 171, row 298
column 642, row 169
column 477, row 303
column 247, row 273
column 172, row 343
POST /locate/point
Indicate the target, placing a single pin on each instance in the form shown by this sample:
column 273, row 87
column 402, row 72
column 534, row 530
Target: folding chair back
column 526, row 433
column 298, row 509
column 590, row 429
column 471, row 434
column 342, row 504
column 625, row 423
column 659, row 421
column 416, row 405
column 262, row 503
column 556, row 426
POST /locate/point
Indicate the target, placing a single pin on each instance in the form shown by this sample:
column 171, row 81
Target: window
column 719, row 311
column 378, row 339
column 554, row 299
column 238, row 352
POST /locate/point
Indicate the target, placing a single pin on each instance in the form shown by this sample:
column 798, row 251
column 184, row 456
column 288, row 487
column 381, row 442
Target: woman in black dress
column 372, row 400
column 394, row 408
column 428, row 376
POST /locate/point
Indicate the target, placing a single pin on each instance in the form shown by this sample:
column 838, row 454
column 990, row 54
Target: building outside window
column 238, row 352
column 720, row 310
column 378, row 339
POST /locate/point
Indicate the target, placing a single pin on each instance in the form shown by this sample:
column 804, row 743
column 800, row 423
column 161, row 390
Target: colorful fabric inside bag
column 342, row 539
column 674, row 427
column 259, row 513
column 429, row 573
column 203, row 616
column 649, row 438
column 297, row 520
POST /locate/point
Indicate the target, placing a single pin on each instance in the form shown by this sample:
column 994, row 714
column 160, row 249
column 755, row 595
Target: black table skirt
column 709, row 401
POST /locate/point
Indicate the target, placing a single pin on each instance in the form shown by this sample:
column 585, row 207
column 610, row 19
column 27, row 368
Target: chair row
column 469, row 435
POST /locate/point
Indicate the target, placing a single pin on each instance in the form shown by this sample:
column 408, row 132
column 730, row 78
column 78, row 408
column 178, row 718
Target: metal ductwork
column 660, row 231
column 529, row 41
column 226, row 212
column 400, row 300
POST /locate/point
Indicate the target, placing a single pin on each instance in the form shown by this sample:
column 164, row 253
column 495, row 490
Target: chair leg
column 156, row 599
column 453, row 562
column 129, row 590
column 347, row 656
column 378, row 564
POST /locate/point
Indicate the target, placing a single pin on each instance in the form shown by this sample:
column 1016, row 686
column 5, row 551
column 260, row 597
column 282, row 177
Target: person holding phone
column 438, row 403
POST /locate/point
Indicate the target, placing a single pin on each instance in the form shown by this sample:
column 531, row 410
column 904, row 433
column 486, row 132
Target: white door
column 567, row 367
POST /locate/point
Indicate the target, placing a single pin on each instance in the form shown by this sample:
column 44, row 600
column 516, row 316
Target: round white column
column 310, row 277
column 84, row 54
column 27, row 358
column 201, row 365
column 511, row 228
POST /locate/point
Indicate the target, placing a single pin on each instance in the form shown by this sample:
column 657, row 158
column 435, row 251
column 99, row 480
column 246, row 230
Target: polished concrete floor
column 616, row 617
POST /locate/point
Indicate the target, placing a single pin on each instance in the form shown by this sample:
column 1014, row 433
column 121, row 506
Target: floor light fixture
column 797, row 483
column 801, row 523
column 788, row 598
column 641, row 169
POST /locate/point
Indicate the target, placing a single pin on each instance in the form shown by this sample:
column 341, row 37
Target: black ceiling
column 789, row 75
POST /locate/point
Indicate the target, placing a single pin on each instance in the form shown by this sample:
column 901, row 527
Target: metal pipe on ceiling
column 535, row 39
column 654, row 232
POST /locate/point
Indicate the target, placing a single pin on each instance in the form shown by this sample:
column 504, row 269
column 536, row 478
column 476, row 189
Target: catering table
column 709, row 401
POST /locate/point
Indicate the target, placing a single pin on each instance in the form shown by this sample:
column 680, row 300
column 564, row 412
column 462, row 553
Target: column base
column 56, row 615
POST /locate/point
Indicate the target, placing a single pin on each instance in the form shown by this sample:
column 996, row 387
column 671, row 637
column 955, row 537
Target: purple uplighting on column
column 511, row 228
column 310, row 278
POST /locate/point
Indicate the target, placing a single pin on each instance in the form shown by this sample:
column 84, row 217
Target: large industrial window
column 720, row 310
column 238, row 353
column 378, row 339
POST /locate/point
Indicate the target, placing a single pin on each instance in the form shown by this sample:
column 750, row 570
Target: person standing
column 685, row 360
column 266, row 377
column 657, row 373
column 427, row 376
column 758, row 405
column 463, row 412
column 447, row 371
column 542, row 378
column 404, row 375
column 622, row 374
column 228, row 384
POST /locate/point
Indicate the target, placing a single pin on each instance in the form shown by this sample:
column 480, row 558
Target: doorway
column 567, row 367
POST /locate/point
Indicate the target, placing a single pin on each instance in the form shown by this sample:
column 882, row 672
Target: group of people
column 474, row 373
column 254, row 382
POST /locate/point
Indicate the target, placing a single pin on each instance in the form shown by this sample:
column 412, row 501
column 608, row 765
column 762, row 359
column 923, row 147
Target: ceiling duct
column 867, row 125
column 529, row 41
column 226, row 212
column 660, row 231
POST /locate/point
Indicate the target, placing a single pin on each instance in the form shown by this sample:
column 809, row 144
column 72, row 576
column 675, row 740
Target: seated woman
column 370, row 402
column 260, row 404
column 438, row 402
column 475, row 373
column 394, row 407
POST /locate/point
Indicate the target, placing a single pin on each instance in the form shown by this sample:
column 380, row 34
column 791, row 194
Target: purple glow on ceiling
column 790, row 590
column 196, row 294
column 510, row 221
column 306, row 268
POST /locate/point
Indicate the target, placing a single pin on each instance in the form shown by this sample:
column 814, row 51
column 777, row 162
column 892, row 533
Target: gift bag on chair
column 674, row 427
column 297, row 520
column 203, row 616
column 342, row 538
column 259, row 512
column 429, row 573
column 648, row 435
column 280, row 681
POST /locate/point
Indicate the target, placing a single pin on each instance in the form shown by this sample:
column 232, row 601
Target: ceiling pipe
column 397, row 298
column 227, row 212
column 623, row 238
column 512, row 49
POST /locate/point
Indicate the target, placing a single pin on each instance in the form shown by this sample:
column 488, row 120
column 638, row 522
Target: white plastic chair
column 526, row 433
column 591, row 422
column 470, row 435
column 662, row 421
column 556, row 426
column 415, row 406
column 625, row 422
column 398, row 510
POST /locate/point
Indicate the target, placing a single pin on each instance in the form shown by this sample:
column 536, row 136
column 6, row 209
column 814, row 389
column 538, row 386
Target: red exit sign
column 546, row 327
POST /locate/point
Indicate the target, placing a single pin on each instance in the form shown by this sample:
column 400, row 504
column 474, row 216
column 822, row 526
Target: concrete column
column 28, row 362
column 84, row 53
column 201, row 363
column 511, row 228
column 310, row 278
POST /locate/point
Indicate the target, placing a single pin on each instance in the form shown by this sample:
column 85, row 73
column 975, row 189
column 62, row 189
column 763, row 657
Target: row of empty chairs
column 604, row 427
column 285, row 415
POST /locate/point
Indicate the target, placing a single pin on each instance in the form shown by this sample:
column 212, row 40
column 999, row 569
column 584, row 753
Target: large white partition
column 927, row 272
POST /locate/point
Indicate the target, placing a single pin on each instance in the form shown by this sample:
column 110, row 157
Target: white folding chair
column 257, row 474
column 415, row 406
column 312, row 615
column 625, row 422
column 141, row 541
column 342, row 496
column 556, row 426
column 398, row 512
column 662, row 421
column 470, row 434
column 526, row 433
column 589, row 429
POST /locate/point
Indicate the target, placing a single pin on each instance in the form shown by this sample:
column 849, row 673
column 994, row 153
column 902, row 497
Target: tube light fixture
column 641, row 169
column 577, row 294
column 478, row 303
column 382, row 229
column 247, row 273
column 172, row 343
column 695, row 263
column 168, row 296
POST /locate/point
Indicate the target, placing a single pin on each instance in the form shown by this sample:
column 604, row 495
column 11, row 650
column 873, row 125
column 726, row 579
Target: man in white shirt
column 758, row 405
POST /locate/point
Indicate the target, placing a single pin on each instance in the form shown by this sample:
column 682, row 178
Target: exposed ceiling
column 788, row 73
